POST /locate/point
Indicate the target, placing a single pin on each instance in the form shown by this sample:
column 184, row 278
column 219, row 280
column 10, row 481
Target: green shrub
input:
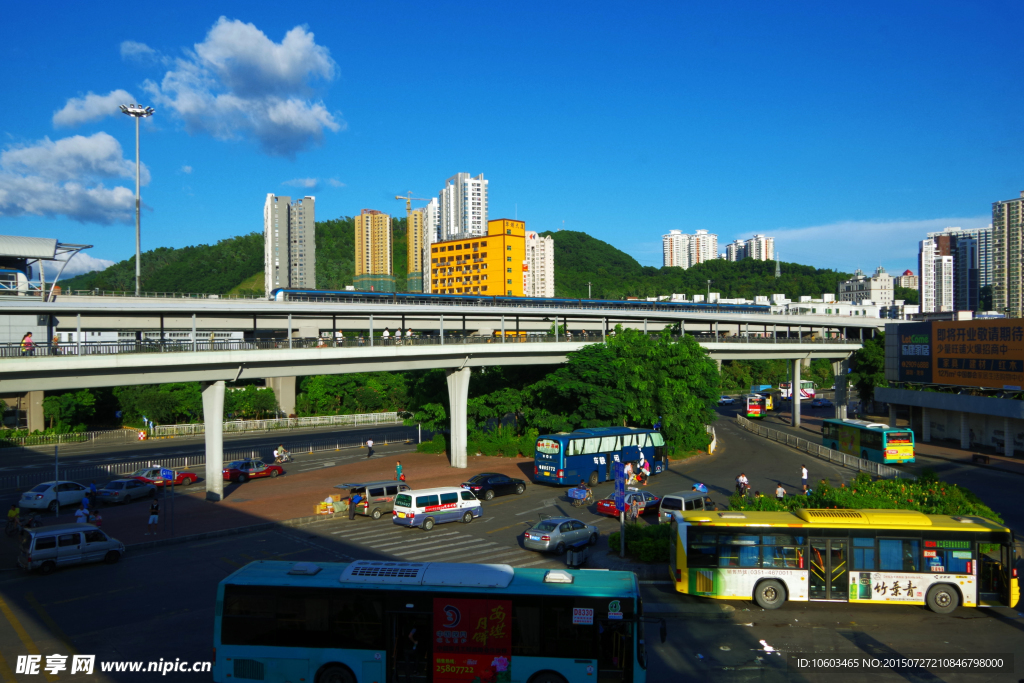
column 928, row 494
column 435, row 445
column 644, row 543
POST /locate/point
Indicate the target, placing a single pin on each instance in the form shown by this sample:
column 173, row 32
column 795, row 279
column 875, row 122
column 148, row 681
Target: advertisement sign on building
column 972, row 353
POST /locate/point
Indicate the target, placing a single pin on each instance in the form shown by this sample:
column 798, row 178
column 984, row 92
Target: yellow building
column 491, row 265
column 373, row 252
column 415, row 249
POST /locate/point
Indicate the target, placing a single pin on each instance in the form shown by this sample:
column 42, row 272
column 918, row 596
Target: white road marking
column 550, row 502
column 423, row 556
column 407, row 543
column 530, row 564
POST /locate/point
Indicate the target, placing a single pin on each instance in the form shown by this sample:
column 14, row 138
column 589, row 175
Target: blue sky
column 845, row 131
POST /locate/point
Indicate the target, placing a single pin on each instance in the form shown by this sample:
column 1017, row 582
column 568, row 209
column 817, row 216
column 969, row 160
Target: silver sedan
column 558, row 533
column 125, row 491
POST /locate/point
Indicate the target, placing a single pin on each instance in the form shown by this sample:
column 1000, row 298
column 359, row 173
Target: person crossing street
column 369, row 448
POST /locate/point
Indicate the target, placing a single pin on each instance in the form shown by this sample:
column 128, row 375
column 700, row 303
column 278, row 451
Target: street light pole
column 588, row 291
column 709, row 291
column 137, row 112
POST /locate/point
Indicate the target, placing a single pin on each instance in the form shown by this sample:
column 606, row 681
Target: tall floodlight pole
column 137, row 111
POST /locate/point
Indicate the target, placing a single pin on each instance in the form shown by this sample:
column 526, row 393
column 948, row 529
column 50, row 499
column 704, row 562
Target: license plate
column 547, row 474
column 401, row 514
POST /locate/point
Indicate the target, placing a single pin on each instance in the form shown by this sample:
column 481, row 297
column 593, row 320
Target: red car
column 648, row 503
column 244, row 470
column 151, row 475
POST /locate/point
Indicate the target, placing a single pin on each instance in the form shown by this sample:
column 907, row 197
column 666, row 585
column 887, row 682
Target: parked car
column 557, row 533
column 125, row 491
column 426, row 507
column 683, row 501
column 49, row 547
column 648, row 503
column 151, row 475
column 726, row 400
column 51, row 495
column 487, row 485
column 378, row 497
column 244, row 470
column 821, row 403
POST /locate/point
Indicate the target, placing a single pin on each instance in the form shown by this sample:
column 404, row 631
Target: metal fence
column 14, row 349
column 109, row 436
column 101, row 473
column 282, row 423
column 816, row 449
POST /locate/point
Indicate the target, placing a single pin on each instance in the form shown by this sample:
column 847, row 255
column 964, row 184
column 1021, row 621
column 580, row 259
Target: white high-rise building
column 539, row 277
column 760, row 248
column 463, row 208
column 676, row 248
column 703, row 247
column 936, row 266
column 289, row 243
column 734, row 251
column 431, row 221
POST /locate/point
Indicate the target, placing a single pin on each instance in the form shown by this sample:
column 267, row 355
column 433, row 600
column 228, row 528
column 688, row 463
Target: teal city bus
column 427, row 622
column 587, row 455
column 870, row 440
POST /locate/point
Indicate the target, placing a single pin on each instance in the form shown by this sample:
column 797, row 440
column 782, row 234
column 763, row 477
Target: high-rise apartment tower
column 289, row 243
column 373, row 252
column 539, row 268
column 463, row 207
column 1007, row 256
column 676, row 248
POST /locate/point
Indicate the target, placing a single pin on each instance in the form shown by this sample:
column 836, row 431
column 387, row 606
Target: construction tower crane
column 409, row 200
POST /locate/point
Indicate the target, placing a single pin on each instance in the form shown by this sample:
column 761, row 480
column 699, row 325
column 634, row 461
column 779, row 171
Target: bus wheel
column 942, row 599
column 593, row 479
column 335, row 673
column 769, row 594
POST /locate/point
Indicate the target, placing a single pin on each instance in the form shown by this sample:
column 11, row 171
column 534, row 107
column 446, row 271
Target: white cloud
column 79, row 263
column 333, row 182
column 186, row 169
column 91, row 108
column 307, row 183
column 849, row 245
column 138, row 52
column 238, row 82
column 64, row 178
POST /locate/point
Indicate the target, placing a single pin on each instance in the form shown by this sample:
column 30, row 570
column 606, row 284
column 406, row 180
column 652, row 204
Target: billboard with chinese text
column 972, row 353
column 472, row 640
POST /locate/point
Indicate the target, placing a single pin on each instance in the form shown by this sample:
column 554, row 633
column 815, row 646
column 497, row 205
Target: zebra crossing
column 441, row 545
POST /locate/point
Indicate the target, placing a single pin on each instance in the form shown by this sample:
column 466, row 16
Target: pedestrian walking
column 634, row 510
column 154, row 517
column 369, row 448
column 82, row 514
column 803, row 476
column 780, row 493
column 97, row 519
column 353, row 502
column 399, row 476
column 27, row 345
column 386, row 334
column 92, row 492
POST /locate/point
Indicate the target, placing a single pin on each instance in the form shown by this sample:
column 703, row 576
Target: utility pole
column 588, row 291
column 137, row 111
column 709, row 292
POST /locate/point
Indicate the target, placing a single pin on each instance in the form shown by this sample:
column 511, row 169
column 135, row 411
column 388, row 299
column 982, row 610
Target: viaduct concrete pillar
column 842, row 397
column 926, row 426
column 796, row 391
column 1008, row 437
column 284, row 390
column 34, row 411
column 965, row 432
column 892, row 416
column 213, row 416
column 458, row 397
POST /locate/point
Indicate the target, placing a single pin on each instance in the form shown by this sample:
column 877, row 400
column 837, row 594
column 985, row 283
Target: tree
column 69, row 410
column 869, row 368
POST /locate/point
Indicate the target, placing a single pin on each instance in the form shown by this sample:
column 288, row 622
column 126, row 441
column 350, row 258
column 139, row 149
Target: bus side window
column 702, row 549
column 864, row 554
column 590, row 446
column 898, row 555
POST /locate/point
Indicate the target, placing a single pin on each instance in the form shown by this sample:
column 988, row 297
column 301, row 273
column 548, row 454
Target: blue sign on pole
column 166, row 473
column 620, row 486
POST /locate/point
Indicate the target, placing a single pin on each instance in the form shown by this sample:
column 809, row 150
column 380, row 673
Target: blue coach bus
column 427, row 622
column 587, row 454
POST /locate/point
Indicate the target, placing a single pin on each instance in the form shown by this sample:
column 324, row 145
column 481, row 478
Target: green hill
column 235, row 266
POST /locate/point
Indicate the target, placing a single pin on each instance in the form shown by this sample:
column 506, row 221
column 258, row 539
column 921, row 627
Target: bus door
column 409, row 648
column 615, row 654
column 829, row 566
column 995, row 562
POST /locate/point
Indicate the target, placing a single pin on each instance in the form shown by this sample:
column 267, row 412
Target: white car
column 725, row 401
column 53, row 494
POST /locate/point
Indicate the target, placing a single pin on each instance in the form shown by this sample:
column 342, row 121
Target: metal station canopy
column 36, row 248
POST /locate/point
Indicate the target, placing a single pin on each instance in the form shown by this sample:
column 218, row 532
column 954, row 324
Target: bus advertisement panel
column 869, row 556
column 589, row 454
column 870, row 440
column 986, row 353
column 472, row 640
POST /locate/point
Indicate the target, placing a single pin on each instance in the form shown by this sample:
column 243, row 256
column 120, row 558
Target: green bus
column 870, row 440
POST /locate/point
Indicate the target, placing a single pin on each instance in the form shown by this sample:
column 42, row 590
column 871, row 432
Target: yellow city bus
column 867, row 556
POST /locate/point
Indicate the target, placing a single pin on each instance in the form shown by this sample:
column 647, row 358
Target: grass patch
column 435, row 445
column 646, row 543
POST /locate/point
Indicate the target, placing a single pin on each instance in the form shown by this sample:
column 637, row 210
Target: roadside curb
column 252, row 528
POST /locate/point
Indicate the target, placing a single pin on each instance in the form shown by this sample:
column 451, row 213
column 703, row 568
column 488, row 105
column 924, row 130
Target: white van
column 427, row 507
column 684, row 501
column 47, row 548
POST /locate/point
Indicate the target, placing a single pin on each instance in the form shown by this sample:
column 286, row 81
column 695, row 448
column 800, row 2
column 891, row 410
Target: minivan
column 427, row 507
column 60, row 545
column 378, row 496
column 683, row 501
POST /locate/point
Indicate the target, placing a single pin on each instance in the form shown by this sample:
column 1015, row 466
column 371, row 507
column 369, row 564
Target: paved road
column 159, row 602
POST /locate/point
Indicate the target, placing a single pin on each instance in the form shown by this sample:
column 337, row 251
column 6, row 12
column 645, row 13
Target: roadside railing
column 816, row 449
column 110, row 436
column 101, row 473
column 282, row 423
